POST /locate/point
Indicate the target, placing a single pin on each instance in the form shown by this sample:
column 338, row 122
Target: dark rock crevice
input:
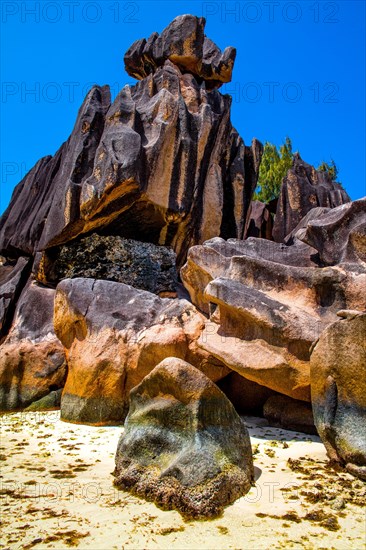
column 12, row 284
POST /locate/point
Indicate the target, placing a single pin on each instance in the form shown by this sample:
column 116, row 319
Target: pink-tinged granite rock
column 114, row 335
column 268, row 302
column 338, row 392
column 32, row 360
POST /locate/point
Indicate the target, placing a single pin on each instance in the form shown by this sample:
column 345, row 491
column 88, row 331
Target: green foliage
column 331, row 168
column 274, row 166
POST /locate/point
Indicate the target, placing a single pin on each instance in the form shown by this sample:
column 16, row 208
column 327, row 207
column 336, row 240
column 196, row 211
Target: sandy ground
column 57, row 492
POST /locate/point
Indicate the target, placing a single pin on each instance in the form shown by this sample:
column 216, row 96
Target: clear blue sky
column 299, row 72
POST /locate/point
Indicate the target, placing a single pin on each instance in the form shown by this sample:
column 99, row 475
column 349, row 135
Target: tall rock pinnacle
column 184, row 43
column 161, row 164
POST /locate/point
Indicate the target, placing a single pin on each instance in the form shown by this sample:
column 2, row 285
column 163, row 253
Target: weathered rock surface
column 299, row 231
column 218, row 257
column 304, row 188
column 260, row 221
column 184, row 446
column 142, row 265
column 45, row 204
column 284, row 412
column 114, row 335
column 338, row 392
column 162, row 164
column 268, row 302
column 339, row 234
column 22, row 223
column 32, row 360
column 263, row 363
column 13, row 277
column 49, row 402
column 184, row 43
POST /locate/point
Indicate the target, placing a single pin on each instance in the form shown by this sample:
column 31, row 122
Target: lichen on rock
column 184, row 446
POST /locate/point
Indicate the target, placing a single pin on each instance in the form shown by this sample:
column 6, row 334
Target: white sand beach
column 57, row 492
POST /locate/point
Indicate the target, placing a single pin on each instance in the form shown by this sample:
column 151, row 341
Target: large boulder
column 338, row 390
column 184, row 446
column 161, row 164
column 114, row 335
column 302, row 189
column 142, row 265
column 268, row 302
column 32, row 360
column 260, row 304
column 257, row 360
column 221, row 258
column 184, row 43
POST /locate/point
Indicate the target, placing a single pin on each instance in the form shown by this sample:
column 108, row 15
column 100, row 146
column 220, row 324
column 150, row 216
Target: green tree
column 331, row 168
column 274, row 166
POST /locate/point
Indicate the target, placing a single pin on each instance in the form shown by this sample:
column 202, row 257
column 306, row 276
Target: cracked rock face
column 184, row 446
column 339, row 235
column 260, row 221
column 45, row 204
column 13, row 277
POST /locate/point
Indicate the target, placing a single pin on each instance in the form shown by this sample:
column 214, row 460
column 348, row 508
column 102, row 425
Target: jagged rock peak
column 304, row 188
column 185, row 44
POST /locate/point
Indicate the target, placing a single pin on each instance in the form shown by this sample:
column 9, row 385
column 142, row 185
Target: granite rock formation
column 304, row 188
column 268, row 302
column 184, row 43
column 13, row 277
column 142, row 265
column 338, row 379
column 49, row 402
column 260, row 221
column 114, row 335
column 298, row 232
column 339, row 235
column 184, row 446
column 32, row 360
column 162, row 164
column 45, row 204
